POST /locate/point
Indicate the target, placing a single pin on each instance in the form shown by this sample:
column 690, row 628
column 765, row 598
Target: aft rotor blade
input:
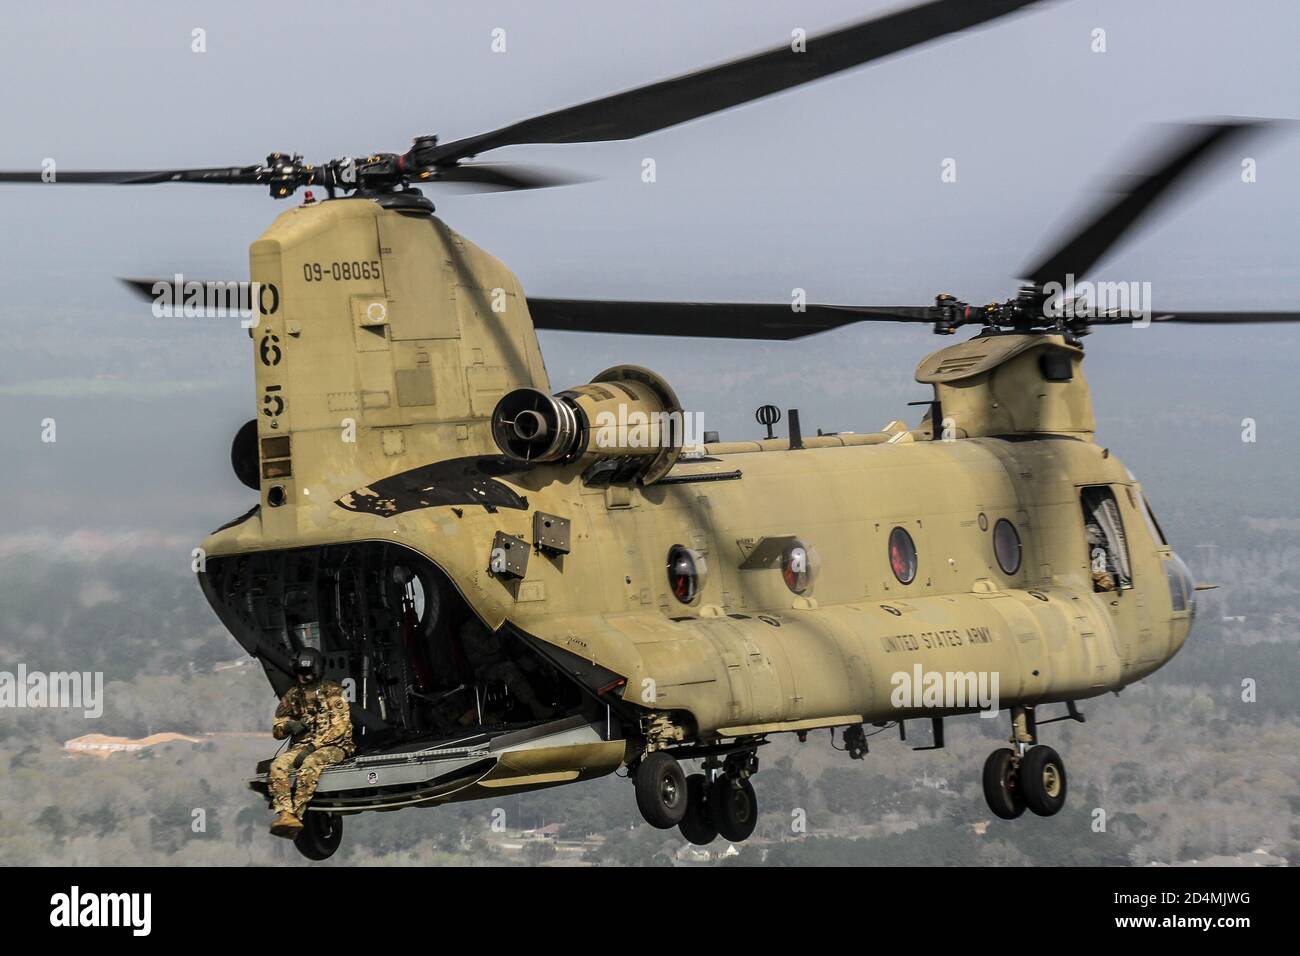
column 1205, row 318
column 144, row 287
column 1189, row 148
column 669, row 102
column 723, row 320
column 497, row 177
column 221, row 175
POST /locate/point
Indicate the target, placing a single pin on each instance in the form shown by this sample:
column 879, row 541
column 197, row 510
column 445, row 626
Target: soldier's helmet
column 308, row 665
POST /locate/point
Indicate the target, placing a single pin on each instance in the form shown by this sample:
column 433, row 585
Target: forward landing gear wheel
column 1042, row 780
column 661, row 790
column 1002, row 786
column 733, row 808
column 320, row 835
column 697, row 825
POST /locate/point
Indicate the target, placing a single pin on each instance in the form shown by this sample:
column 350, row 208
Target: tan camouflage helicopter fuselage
column 392, row 339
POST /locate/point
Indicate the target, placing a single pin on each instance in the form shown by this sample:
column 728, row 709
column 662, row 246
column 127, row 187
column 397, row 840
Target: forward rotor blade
column 223, row 175
column 1189, row 148
column 669, row 102
column 722, row 320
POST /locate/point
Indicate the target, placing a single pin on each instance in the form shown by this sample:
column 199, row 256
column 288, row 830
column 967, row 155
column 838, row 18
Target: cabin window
column 685, row 573
column 1006, row 546
column 796, row 567
column 902, row 556
column 1108, row 554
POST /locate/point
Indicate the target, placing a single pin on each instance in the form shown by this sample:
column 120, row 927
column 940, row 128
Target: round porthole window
column 796, row 567
column 902, row 556
column 685, row 573
column 1006, row 546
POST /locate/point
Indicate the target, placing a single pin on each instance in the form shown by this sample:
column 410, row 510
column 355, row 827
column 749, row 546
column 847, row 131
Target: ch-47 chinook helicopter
column 519, row 595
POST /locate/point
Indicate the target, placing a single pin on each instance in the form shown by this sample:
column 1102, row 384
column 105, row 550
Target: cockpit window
column 1182, row 589
column 1177, row 590
column 1156, row 532
column 1108, row 555
column 1134, row 493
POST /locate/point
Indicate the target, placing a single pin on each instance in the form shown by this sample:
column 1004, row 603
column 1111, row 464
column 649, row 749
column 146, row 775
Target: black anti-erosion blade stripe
column 669, row 102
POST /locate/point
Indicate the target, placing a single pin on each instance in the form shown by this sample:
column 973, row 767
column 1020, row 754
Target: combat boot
column 286, row 825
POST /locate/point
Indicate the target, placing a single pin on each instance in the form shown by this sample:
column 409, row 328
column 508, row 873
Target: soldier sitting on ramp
column 314, row 714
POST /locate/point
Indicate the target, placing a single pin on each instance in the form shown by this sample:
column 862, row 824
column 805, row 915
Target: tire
column 1002, row 786
column 661, row 790
column 733, row 807
column 697, row 825
column 320, row 835
column 1042, row 780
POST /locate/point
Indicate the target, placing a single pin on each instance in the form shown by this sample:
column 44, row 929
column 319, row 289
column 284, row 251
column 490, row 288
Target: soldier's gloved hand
column 295, row 727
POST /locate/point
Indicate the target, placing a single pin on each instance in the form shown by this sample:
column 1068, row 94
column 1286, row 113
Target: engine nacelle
column 627, row 415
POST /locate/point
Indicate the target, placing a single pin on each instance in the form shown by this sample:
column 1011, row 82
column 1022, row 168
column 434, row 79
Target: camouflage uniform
column 1100, row 557
column 327, row 739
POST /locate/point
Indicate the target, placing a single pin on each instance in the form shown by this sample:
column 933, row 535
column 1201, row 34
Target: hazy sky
column 834, row 188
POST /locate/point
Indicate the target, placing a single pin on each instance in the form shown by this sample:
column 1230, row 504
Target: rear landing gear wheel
column 320, row 835
column 1002, row 786
column 697, row 825
column 1042, row 780
column 733, row 807
column 661, row 790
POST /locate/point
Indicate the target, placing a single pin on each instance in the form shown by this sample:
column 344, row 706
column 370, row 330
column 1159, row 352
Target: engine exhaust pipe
column 531, row 426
